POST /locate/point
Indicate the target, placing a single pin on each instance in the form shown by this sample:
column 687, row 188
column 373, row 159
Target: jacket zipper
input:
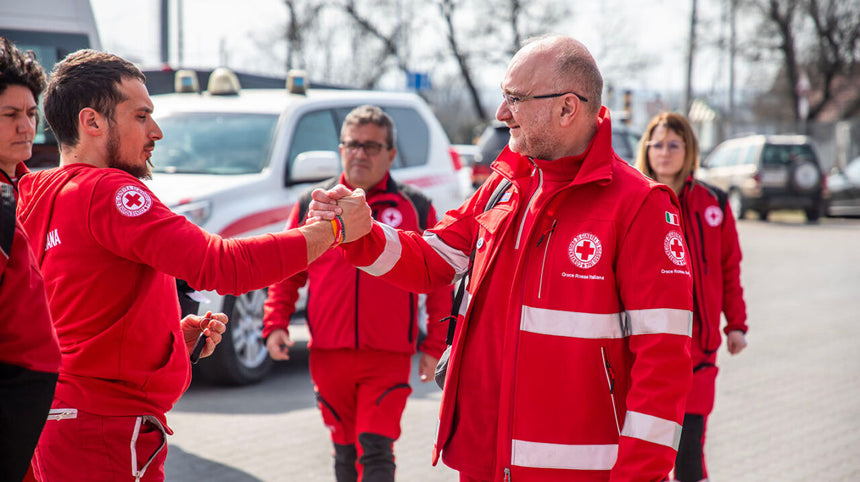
column 702, row 242
column 548, row 236
column 610, row 380
column 412, row 320
column 698, row 289
column 531, row 200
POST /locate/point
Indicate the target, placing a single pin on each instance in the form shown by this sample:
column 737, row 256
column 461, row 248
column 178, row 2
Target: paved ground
column 788, row 409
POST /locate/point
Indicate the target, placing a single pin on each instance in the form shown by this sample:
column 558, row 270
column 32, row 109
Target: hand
column 356, row 216
column 736, row 341
column 324, row 203
column 427, row 367
column 213, row 326
column 278, row 343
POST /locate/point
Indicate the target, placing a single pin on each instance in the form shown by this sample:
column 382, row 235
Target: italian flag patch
column 672, row 219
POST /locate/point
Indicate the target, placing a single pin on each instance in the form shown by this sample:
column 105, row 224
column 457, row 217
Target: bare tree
column 447, row 8
column 817, row 39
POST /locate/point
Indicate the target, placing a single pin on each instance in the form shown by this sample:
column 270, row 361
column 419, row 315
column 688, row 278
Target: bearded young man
column 110, row 251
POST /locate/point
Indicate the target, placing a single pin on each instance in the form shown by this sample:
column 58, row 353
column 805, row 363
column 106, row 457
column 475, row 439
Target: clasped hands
column 351, row 206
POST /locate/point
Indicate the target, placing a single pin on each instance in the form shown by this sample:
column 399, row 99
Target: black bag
column 442, row 366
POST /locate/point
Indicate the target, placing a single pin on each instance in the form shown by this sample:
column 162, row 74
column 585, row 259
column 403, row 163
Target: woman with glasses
column 669, row 153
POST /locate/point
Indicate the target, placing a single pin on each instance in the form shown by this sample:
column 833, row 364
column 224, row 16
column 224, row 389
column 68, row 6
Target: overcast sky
column 658, row 27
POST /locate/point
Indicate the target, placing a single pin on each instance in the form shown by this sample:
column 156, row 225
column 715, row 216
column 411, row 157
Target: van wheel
column 241, row 358
column 736, row 201
column 763, row 214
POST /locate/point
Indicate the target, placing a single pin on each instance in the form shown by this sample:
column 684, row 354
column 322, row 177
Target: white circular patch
column 585, row 250
column 391, row 217
column 713, row 216
column 674, row 247
column 132, row 201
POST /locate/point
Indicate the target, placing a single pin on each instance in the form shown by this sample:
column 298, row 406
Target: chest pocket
column 493, row 225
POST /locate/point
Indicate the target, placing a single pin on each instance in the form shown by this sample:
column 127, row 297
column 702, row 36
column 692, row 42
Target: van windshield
column 213, row 143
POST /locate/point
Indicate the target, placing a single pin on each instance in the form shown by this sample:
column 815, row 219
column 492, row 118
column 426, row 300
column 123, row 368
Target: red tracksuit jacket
column 27, row 337
column 348, row 308
column 571, row 360
column 109, row 251
column 712, row 238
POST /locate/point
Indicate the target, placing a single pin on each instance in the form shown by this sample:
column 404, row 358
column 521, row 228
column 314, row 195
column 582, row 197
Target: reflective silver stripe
column 652, row 429
column 454, row 257
column 575, row 324
column 390, row 253
column 139, row 473
column 661, row 321
column 464, row 305
column 560, row 456
column 570, row 323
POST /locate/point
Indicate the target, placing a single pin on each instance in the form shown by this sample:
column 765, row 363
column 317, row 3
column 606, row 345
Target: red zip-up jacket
column 27, row 337
column 348, row 308
column 712, row 238
column 109, row 251
column 571, row 359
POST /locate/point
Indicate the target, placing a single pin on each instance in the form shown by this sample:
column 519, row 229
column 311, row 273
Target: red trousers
column 81, row 446
column 360, row 391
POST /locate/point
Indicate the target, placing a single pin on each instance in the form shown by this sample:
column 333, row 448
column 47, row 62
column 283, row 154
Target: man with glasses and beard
column 110, row 251
column 364, row 330
column 571, row 357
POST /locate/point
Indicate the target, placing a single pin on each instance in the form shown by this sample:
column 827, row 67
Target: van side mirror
column 315, row 166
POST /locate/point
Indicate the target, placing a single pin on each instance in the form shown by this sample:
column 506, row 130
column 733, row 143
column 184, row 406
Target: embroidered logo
column 713, row 216
column 674, row 247
column 585, row 250
column 391, row 217
column 132, row 201
column 672, row 219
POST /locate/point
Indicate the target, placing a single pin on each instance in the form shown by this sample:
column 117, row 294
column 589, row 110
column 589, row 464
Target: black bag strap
column 461, row 285
column 7, row 219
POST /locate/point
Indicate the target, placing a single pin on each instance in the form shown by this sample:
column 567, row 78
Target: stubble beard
column 114, row 160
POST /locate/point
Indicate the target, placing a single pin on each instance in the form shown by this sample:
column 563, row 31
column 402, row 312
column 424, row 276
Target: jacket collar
column 594, row 165
column 386, row 185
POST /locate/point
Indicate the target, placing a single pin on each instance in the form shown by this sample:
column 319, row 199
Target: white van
column 234, row 161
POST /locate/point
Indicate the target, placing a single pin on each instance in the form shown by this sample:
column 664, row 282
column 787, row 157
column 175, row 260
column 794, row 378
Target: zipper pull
column 507, row 474
column 548, row 233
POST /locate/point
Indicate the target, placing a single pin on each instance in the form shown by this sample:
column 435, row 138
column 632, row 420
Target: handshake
column 348, row 207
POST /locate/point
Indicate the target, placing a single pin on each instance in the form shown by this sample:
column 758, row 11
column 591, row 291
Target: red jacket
column 348, row 308
column 109, row 251
column 571, row 361
column 27, row 337
column 712, row 237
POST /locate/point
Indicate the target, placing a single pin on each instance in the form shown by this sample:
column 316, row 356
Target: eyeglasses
column 671, row 145
column 513, row 100
column 371, row 148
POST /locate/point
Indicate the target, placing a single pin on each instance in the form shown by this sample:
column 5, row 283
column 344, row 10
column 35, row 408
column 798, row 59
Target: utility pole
column 164, row 15
column 691, row 50
column 733, row 4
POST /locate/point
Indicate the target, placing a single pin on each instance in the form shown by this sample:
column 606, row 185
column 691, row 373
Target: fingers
column 278, row 343
column 427, row 367
column 356, row 216
column 324, row 204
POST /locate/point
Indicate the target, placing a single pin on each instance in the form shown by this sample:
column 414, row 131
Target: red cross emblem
column 713, row 216
column 674, row 247
column 391, row 216
column 585, row 250
column 132, row 200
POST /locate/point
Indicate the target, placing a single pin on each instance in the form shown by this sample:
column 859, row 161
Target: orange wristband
column 337, row 229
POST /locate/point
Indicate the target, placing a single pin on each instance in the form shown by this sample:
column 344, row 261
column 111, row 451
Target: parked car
column 843, row 184
column 495, row 137
column 467, row 155
column 234, row 161
column 767, row 173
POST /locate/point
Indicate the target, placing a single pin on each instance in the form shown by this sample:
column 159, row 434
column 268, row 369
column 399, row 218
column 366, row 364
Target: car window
column 720, row 157
column 853, row 169
column 315, row 131
column 749, row 155
column 214, row 143
column 780, row 155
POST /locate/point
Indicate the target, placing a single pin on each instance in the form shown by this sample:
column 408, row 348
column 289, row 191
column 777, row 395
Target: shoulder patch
column 132, row 201
column 674, row 247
